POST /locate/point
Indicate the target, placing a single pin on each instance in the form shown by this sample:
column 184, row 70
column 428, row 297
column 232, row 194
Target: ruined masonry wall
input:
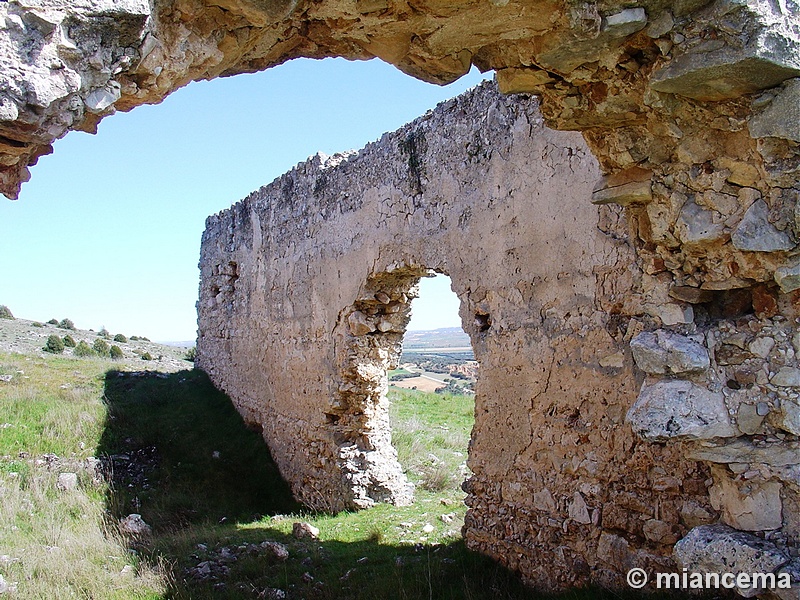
column 305, row 293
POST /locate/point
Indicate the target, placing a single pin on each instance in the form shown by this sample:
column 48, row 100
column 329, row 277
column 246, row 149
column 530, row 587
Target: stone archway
column 325, row 256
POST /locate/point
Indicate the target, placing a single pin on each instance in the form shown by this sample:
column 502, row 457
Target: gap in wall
column 432, row 403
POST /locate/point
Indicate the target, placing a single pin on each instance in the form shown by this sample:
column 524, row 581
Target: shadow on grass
column 177, row 452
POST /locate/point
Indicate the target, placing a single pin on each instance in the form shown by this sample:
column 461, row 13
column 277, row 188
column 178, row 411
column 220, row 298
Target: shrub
column 435, row 478
column 147, row 356
column 120, row 338
column 53, row 322
column 134, row 338
column 191, row 354
column 37, row 324
column 116, row 352
column 54, row 345
column 68, row 341
column 101, row 347
column 83, row 349
column 104, row 333
column 5, row 312
column 66, row 324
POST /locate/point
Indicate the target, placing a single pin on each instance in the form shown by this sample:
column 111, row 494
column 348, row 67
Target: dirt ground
column 421, row 383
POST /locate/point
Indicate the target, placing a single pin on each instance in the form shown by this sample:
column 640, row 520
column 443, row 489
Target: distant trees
column 54, row 345
column 101, row 347
column 83, row 349
column 66, row 324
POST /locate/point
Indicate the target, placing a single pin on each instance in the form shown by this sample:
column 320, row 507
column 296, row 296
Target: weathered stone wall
column 305, row 292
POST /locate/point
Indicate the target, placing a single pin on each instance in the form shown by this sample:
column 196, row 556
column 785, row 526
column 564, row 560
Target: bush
column 54, row 345
column 83, row 349
column 66, row 324
column 134, row 338
column 104, row 333
column 68, row 341
column 5, row 313
column 116, row 352
column 120, row 338
column 53, row 322
column 147, row 356
column 101, row 347
column 191, row 354
column 37, row 324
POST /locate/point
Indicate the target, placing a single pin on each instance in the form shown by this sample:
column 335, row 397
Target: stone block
column 664, row 353
column 788, row 277
column 722, row 549
column 696, row 226
column 521, row 80
column 723, row 74
column 689, row 294
column 790, row 417
column 630, row 186
column 756, row 234
column 781, row 117
column 787, row 377
column 742, row 451
column 67, row 481
column 679, row 409
column 747, row 505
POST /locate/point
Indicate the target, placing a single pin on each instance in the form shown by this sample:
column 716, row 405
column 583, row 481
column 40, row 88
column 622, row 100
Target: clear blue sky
column 107, row 232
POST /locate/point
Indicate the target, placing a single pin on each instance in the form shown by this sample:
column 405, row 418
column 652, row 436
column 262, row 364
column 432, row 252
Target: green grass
column 60, row 544
column 176, row 452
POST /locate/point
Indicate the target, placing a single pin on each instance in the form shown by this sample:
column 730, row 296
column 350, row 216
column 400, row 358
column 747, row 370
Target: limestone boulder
column 722, row 549
column 679, row 409
column 664, row 353
column 781, row 117
column 747, row 505
column 756, row 234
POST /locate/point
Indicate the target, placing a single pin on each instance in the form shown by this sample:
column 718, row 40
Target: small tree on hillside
column 83, row 349
column 116, row 352
column 53, row 322
column 5, row 312
column 120, row 338
column 69, row 342
column 67, row 324
column 101, row 347
column 54, row 345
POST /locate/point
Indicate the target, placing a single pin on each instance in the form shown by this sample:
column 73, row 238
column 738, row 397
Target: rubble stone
column 722, row 549
column 664, row 353
column 679, row 409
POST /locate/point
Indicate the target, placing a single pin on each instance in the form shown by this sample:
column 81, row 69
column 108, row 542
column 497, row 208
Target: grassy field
column 171, row 448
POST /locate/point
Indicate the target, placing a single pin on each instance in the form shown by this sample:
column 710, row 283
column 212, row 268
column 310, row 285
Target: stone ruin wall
column 610, row 423
column 689, row 107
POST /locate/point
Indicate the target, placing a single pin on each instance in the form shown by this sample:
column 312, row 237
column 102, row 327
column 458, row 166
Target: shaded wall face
column 304, row 299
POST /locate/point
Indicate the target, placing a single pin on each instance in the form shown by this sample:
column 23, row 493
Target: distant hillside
column 446, row 337
column 26, row 337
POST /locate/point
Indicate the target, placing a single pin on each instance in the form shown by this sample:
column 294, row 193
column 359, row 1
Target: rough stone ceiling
column 64, row 65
